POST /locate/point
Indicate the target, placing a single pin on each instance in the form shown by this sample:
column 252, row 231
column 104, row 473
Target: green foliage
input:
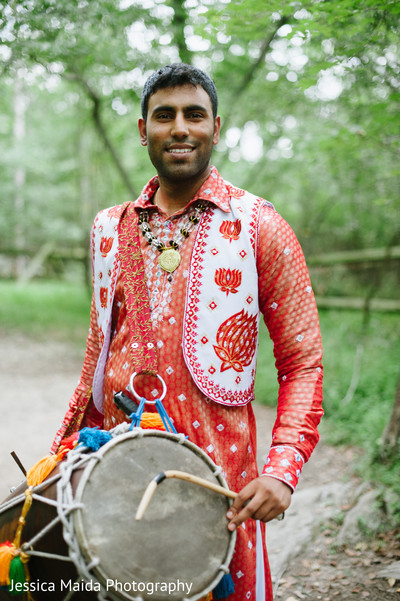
column 266, row 386
column 361, row 420
column 317, row 83
column 55, row 310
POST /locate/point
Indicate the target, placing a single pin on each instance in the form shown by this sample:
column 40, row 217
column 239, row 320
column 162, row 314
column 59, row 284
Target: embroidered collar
column 214, row 190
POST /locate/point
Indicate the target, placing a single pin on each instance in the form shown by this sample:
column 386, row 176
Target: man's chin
column 182, row 171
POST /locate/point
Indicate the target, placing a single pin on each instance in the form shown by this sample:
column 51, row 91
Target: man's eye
column 196, row 116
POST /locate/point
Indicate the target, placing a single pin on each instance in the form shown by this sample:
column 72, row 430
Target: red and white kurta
column 225, row 431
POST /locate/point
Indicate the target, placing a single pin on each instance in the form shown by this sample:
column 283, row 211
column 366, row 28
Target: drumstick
column 150, row 490
column 18, row 462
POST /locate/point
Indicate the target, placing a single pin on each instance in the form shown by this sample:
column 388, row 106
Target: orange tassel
column 39, row 472
column 152, row 421
column 7, row 552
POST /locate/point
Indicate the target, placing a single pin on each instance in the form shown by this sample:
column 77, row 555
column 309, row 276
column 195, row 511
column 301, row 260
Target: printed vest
column 220, row 332
column 221, row 321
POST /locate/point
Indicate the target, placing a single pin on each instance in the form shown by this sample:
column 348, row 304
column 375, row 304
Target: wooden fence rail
column 363, row 255
column 49, row 251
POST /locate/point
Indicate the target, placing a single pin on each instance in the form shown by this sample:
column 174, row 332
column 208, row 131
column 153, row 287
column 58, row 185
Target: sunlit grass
column 56, row 310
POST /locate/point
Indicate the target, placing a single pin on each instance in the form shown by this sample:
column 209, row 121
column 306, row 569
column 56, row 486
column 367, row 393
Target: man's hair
column 178, row 74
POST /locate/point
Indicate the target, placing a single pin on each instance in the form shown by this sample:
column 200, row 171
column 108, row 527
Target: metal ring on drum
column 137, row 416
column 138, row 397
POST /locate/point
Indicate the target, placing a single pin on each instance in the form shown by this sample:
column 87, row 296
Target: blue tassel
column 93, row 438
column 224, row 588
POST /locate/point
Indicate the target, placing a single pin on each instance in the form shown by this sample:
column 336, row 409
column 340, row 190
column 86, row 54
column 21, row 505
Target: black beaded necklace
column 170, row 257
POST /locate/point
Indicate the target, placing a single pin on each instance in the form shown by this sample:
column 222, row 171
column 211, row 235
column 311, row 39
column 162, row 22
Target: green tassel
column 17, row 575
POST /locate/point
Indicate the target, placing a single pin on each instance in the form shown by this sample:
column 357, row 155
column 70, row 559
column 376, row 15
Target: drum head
column 176, row 551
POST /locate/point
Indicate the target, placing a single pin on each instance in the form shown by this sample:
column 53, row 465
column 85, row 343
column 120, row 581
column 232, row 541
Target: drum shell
column 46, row 570
column 41, row 570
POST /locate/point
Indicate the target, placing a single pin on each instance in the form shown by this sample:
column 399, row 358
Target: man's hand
column 267, row 498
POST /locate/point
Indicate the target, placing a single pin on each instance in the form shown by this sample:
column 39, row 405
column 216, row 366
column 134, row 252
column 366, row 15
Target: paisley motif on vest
column 220, row 333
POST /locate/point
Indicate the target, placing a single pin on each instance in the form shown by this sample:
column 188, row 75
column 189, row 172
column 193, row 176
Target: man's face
column 180, row 132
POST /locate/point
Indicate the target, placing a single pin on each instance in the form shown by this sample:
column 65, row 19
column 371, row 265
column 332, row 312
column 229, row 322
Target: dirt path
column 36, row 381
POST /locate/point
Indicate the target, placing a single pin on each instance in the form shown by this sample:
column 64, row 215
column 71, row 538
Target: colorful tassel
column 152, row 421
column 43, row 468
column 224, row 588
column 70, row 442
column 17, row 574
column 93, row 438
column 12, row 559
column 7, row 552
column 38, row 472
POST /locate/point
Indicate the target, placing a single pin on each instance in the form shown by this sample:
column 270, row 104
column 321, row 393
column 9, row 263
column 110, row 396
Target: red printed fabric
column 227, row 434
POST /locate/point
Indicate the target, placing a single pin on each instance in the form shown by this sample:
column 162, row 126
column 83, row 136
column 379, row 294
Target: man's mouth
column 180, row 150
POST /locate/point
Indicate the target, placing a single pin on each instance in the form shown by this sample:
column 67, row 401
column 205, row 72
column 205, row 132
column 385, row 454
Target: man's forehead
column 180, row 96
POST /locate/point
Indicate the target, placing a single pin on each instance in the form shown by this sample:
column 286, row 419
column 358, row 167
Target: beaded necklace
column 170, row 257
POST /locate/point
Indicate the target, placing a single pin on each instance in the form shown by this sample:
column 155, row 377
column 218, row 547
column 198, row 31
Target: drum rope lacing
column 66, row 505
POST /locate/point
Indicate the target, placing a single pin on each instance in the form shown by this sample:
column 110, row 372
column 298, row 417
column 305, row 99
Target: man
column 212, row 257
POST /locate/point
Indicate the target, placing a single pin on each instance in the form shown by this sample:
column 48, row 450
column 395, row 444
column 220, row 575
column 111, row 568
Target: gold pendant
column 169, row 259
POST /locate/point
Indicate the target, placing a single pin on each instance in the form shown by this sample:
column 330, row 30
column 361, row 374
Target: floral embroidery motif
column 114, row 211
column 103, row 297
column 235, row 192
column 106, row 245
column 230, row 230
column 228, row 280
column 236, row 341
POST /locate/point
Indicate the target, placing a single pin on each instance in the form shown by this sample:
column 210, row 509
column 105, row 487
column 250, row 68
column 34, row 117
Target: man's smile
column 180, row 149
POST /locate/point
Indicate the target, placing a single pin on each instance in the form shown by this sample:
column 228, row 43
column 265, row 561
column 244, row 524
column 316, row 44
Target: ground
column 307, row 562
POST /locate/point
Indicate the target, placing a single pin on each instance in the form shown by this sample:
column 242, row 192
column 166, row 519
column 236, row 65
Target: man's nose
column 180, row 127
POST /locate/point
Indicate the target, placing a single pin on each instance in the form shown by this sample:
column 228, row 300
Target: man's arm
column 290, row 313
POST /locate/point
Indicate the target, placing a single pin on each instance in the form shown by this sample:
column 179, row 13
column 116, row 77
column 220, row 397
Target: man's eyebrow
column 187, row 108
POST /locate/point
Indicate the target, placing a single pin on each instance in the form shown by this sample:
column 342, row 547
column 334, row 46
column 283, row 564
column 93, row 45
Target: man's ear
column 217, row 129
column 142, row 132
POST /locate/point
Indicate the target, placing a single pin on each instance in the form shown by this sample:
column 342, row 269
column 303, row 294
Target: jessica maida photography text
column 133, row 586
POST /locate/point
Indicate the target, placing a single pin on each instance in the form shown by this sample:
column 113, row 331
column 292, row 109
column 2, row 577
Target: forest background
column 310, row 105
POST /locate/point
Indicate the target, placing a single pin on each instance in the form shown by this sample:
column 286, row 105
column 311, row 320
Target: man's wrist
column 284, row 463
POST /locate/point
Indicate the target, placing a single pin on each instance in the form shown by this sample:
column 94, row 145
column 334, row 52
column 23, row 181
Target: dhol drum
column 84, row 542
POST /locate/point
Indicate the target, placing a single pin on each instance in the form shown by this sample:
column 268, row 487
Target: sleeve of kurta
column 288, row 305
column 81, row 410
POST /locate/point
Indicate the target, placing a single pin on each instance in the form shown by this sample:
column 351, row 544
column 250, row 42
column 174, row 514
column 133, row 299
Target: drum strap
column 143, row 348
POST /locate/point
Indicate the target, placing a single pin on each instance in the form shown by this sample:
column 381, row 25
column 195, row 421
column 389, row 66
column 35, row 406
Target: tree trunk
column 391, row 434
column 178, row 29
column 253, row 68
column 19, row 174
column 102, row 131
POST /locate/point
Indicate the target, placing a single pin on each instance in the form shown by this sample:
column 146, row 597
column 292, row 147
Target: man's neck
column 174, row 196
